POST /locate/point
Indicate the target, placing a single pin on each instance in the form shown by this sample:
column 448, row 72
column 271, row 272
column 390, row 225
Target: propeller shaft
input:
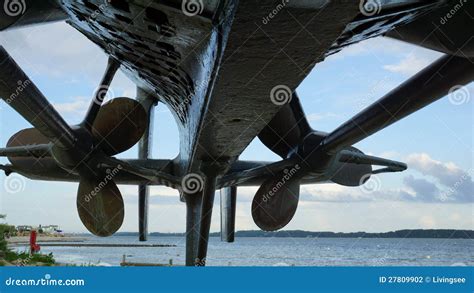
column 427, row 86
column 100, row 93
column 20, row 93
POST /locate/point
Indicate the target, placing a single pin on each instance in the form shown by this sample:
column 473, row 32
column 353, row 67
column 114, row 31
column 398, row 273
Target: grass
column 8, row 256
column 24, row 258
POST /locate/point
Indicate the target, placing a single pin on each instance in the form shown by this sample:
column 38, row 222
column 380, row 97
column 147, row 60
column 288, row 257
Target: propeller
column 276, row 201
column 106, row 130
column 306, row 151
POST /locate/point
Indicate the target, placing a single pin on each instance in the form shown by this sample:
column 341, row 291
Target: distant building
column 24, row 228
column 50, row 228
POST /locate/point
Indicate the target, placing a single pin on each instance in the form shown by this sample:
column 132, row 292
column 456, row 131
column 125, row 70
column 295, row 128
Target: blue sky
column 436, row 142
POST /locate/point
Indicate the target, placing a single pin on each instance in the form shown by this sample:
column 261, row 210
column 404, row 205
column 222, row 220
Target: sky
column 437, row 142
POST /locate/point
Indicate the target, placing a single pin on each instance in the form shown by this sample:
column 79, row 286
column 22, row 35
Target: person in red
column 33, row 246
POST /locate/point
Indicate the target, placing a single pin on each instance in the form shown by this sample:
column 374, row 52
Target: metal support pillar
column 228, row 206
column 144, row 152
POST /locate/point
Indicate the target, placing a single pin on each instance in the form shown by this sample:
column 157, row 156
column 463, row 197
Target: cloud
column 78, row 105
column 423, row 190
column 409, row 65
column 332, row 193
column 373, row 46
column 441, row 183
column 427, row 222
column 457, row 184
column 62, row 54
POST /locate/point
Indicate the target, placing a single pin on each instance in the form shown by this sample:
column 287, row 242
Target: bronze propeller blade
column 100, row 205
column 316, row 152
column 286, row 130
column 110, row 129
column 275, row 202
column 30, row 137
column 119, row 125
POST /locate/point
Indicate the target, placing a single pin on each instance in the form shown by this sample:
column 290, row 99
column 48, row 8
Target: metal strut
column 199, row 214
column 228, row 206
column 144, row 152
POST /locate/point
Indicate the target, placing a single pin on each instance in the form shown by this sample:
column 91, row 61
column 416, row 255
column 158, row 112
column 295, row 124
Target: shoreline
column 19, row 240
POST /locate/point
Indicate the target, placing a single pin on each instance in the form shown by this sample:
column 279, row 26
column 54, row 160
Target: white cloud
column 441, row 182
column 78, row 105
column 427, row 222
column 332, row 193
column 373, row 46
column 456, row 184
column 61, row 53
column 409, row 65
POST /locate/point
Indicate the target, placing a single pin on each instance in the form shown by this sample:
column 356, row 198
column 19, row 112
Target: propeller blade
column 427, row 86
column 100, row 205
column 286, row 130
column 18, row 91
column 275, row 202
column 119, row 125
column 30, row 137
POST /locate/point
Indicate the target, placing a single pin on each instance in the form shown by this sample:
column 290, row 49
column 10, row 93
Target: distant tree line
column 417, row 233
